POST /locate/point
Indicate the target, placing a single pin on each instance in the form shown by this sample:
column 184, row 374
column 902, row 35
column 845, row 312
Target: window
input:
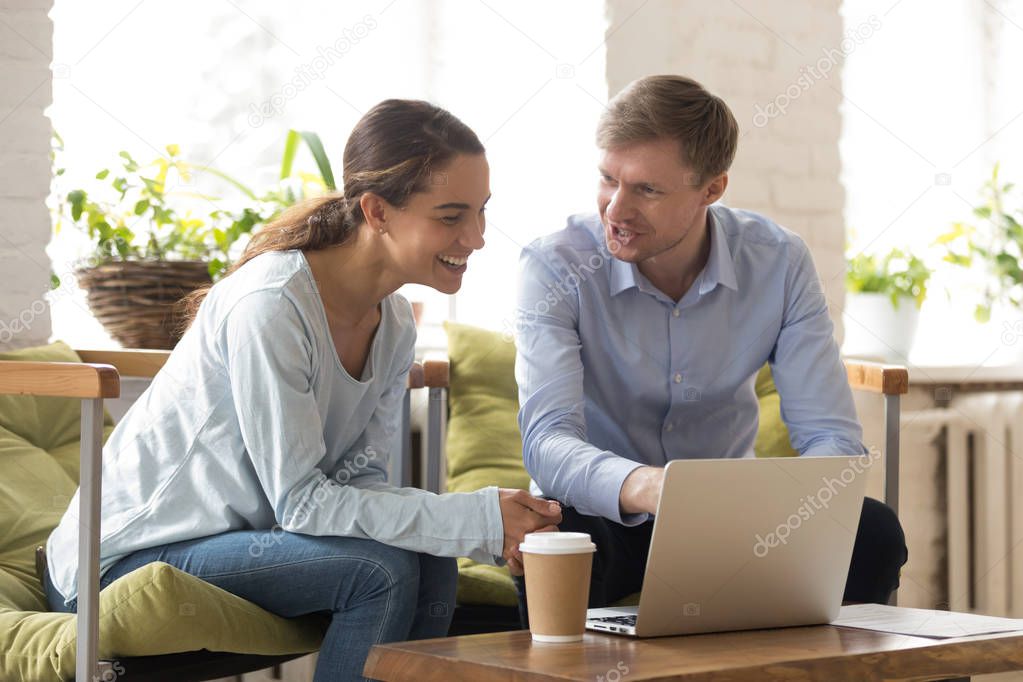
column 928, row 110
column 225, row 81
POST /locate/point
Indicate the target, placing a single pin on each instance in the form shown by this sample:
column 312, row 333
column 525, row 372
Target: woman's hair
column 392, row 152
column 677, row 108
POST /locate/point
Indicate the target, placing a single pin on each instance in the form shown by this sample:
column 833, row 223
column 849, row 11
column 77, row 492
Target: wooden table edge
column 930, row 660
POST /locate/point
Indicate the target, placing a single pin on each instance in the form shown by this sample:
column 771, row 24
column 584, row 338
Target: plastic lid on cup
column 557, row 543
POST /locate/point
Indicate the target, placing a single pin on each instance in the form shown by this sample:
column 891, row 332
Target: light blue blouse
column 254, row 423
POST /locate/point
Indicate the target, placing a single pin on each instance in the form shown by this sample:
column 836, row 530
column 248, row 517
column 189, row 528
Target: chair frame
column 97, row 378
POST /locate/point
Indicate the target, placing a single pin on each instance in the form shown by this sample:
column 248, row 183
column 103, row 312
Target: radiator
column 985, row 502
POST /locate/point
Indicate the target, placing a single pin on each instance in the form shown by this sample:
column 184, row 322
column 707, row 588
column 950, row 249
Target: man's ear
column 376, row 209
column 715, row 189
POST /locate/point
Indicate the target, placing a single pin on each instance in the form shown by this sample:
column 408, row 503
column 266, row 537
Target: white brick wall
column 788, row 168
column 26, row 48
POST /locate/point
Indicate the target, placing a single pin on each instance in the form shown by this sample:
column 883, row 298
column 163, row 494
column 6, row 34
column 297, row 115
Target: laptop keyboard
column 617, row 620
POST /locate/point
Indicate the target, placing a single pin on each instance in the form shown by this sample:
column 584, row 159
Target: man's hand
column 522, row 513
column 641, row 490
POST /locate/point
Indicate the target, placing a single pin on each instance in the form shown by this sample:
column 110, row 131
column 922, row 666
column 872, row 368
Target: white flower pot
column 876, row 330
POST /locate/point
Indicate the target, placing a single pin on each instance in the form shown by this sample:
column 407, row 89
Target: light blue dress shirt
column 254, row 423
column 613, row 374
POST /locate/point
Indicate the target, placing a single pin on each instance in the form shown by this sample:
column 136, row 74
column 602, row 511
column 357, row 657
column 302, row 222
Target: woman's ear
column 376, row 210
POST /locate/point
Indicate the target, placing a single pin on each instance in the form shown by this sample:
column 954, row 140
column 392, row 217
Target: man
column 641, row 330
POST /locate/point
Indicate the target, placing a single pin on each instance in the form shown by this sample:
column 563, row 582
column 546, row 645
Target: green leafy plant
column 146, row 211
column 993, row 243
column 896, row 274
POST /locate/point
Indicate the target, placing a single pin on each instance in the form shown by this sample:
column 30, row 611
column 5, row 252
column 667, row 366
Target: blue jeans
column 373, row 592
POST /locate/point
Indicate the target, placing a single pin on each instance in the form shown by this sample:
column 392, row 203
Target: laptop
column 741, row 544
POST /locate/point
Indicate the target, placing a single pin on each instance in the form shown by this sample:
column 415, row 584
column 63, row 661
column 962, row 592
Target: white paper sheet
column 922, row 622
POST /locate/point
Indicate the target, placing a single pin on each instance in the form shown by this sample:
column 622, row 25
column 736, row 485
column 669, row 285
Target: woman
column 257, row 458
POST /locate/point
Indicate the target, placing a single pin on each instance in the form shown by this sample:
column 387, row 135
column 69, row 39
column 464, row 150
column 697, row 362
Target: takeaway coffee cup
column 558, row 567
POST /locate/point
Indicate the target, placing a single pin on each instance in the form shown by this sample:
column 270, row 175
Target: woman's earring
column 380, row 230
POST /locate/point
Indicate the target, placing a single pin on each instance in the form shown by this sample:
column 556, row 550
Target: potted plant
column 155, row 240
column 992, row 246
column 883, row 303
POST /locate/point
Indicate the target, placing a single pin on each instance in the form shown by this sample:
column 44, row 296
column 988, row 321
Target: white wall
column 787, row 165
column 25, row 53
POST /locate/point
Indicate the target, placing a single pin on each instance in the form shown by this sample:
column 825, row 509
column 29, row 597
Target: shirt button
column 677, row 378
column 669, row 426
column 675, row 313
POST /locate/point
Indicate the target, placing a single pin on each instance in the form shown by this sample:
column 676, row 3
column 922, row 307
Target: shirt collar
column 720, row 268
column 623, row 276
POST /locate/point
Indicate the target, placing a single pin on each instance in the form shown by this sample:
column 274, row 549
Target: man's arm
column 816, row 402
column 641, row 490
column 549, row 372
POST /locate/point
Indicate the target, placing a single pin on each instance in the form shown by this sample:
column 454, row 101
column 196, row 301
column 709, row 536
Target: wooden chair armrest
column 130, row 362
column 415, row 376
column 877, row 378
column 437, row 372
column 59, row 379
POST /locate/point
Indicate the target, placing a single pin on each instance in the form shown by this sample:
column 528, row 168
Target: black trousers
column 620, row 561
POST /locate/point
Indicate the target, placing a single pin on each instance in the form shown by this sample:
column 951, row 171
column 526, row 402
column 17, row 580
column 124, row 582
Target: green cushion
column 484, row 445
column 155, row 609
column 772, row 438
column 484, row 585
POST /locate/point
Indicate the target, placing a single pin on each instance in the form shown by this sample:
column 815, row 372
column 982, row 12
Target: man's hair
column 676, row 108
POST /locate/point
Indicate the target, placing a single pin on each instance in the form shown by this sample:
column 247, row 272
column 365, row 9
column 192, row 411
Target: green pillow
column 156, row 609
column 484, row 445
column 140, row 613
column 772, row 438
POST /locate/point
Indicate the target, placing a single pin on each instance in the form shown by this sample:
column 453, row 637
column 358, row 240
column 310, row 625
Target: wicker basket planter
column 135, row 300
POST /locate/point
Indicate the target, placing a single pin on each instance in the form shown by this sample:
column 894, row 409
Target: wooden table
column 821, row 652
